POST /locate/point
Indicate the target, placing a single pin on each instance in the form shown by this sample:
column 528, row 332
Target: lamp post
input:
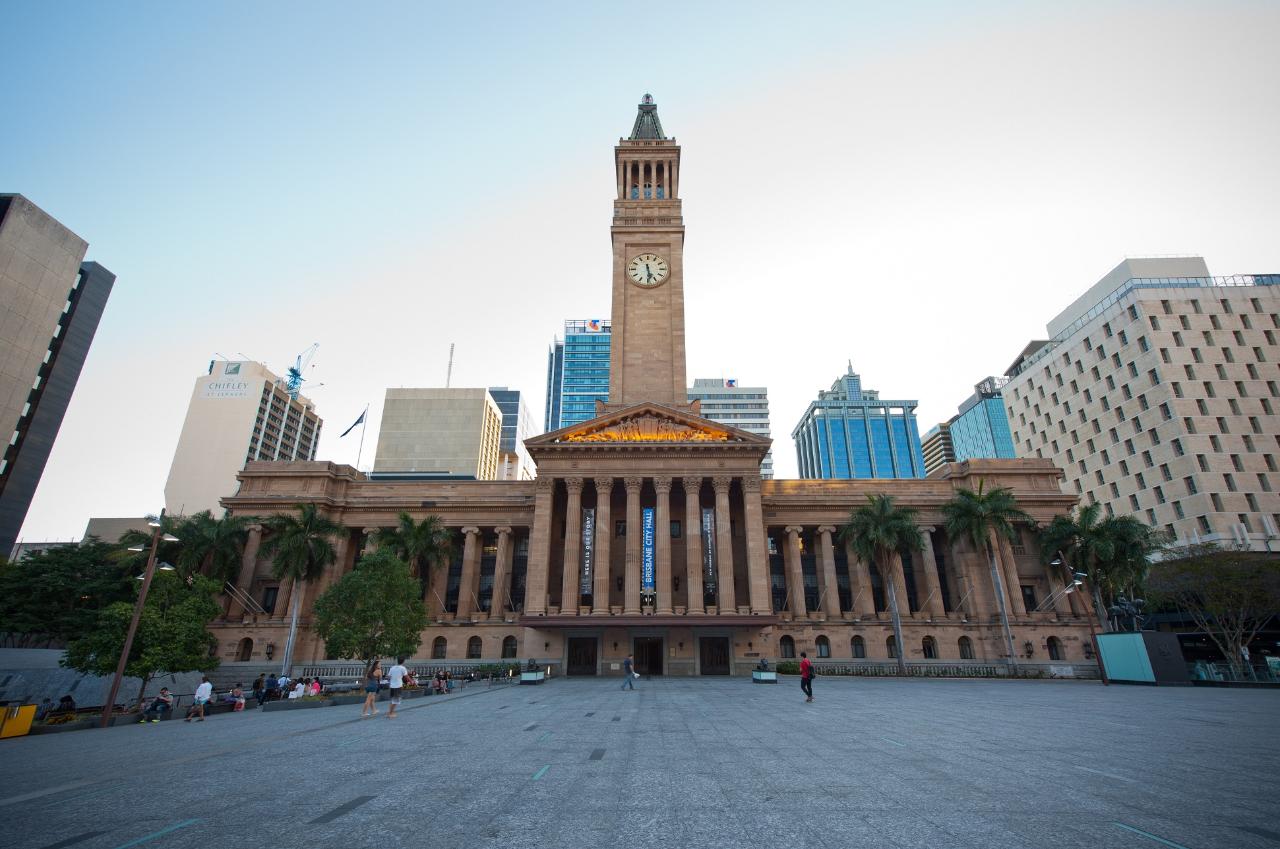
column 156, row 536
column 1077, row 579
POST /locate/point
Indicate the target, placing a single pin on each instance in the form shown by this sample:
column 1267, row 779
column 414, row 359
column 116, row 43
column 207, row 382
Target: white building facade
column 743, row 407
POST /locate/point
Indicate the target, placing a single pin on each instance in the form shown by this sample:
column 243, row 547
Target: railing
column 876, row 669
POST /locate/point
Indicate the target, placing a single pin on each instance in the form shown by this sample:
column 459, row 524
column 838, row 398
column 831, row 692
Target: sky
column 916, row 188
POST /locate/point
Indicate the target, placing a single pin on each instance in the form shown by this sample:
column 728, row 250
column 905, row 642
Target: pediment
column 648, row 423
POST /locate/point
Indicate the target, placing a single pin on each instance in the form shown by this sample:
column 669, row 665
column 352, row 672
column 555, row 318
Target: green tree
column 1113, row 552
column 300, row 547
column 374, row 611
column 212, row 546
column 172, row 633
column 981, row 516
column 1231, row 595
column 55, row 596
column 425, row 545
column 877, row 531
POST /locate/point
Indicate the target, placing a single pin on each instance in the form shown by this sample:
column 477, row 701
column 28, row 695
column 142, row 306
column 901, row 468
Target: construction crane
column 295, row 379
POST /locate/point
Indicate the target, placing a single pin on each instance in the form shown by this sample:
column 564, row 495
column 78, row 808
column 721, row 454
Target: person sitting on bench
column 160, row 705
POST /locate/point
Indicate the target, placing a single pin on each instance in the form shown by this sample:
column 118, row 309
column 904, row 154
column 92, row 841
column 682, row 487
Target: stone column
column 827, row 573
column 284, row 598
column 795, row 573
column 899, row 578
column 724, row 546
column 248, row 564
column 974, row 579
column 470, row 573
column 757, row 547
column 569, row 597
column 604, row 537
column 864, row 600
column 662, row 544
column 535, row 602
column 631, row 596
column 1061, row 605
column 693, row 543
column 932, row 586
column 502, row 574
column 331, row 573
column 622, row 183
column 1009, row 574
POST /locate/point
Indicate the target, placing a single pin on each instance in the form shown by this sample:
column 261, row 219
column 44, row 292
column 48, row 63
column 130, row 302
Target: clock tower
column 647, row 357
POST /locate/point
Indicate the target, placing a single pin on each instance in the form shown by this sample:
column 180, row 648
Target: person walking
column 395, row 679
column 371, row 679
column 203, row 693
column 629, row 673
column 806, row 676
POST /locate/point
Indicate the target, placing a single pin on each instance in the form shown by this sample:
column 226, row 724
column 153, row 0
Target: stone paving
column 677, row 763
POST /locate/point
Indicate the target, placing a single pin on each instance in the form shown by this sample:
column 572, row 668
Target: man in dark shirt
column 628, row 672
column 160, row 705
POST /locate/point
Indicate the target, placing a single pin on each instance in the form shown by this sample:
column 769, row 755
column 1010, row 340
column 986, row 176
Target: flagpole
column 363, row 425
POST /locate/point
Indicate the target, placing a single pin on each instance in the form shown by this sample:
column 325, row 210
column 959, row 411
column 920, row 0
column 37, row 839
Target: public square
column 676, row 763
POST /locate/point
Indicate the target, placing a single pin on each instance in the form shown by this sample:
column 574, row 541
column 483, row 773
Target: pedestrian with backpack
column 806, row 676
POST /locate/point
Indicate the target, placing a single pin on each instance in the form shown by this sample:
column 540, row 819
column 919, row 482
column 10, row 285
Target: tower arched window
column 859, row 647
column 787, row 646
column 474, row 648
column 930, row 648
column 438, row 648
column 824, row 646
column 966, row 648
column 508, row 646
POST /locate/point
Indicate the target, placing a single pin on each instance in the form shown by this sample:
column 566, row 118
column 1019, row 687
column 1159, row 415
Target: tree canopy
column 877, row 531
column 1114, row 552
column 56, row 595
column 374, row 611
column 425, row 545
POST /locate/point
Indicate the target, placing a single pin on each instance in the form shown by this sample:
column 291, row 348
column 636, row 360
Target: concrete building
column 1156, row 393
column 936, row 448
column 743, row 407
column 514, row 463
column 849, row 433
column 578, row 372
column 649, row 530
column 439, row 433
column 52, row 303
column 239, row 411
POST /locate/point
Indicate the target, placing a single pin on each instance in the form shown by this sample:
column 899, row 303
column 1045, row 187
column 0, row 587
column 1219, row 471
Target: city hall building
column 649, row 529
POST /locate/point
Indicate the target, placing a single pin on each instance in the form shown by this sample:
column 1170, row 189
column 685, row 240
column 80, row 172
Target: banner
column 708, row 549
column 647, row 584
column 586, row 568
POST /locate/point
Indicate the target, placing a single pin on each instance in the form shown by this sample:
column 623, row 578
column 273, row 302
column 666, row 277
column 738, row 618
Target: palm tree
column 980, row 516
column 212, row 546
column 877, row 531
column 300, row 547
column 424, row 545
column 1112, row 552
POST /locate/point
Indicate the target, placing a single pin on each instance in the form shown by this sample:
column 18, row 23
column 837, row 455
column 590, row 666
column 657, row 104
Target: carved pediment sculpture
column 648, row 427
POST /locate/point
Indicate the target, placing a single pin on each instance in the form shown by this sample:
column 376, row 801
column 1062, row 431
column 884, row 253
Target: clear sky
column 915, row 187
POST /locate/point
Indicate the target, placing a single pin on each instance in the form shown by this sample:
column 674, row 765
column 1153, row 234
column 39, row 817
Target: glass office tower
column 982, row 427
column 577, row 372
column 850, row 433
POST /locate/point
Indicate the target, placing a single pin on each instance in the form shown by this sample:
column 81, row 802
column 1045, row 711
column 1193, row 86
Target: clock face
column 648, row 270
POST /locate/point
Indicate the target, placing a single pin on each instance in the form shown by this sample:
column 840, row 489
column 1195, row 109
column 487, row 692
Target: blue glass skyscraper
column 982, row 428
column 850, row 433
column 577, row 372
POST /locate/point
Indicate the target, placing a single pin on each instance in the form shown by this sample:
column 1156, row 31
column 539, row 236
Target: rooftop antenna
column 448, row 375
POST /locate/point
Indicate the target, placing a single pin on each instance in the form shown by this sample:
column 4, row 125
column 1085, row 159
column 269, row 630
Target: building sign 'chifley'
column 586, row 573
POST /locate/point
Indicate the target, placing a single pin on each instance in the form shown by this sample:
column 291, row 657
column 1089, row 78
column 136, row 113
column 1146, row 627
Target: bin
column 16, row 721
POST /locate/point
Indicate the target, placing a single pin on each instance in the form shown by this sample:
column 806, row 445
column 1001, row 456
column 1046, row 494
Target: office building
column 577, row 372
column 1156, row 393
column 850, row 433
column 981, row 429
column 514, row 463
column 743, row 407
column 439, row 433
column 52, row 303
column 936, row 447
column 239, row 411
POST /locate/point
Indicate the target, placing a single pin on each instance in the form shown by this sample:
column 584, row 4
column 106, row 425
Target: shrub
column 787, row 667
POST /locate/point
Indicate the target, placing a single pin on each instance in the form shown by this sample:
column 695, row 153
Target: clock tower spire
column 647, row 356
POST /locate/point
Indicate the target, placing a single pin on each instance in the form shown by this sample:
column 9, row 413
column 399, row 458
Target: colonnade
column 637, row 170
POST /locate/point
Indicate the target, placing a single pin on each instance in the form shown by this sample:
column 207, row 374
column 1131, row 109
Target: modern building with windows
column 514, row 463
column 1157, row 393
column 981, row 429
column 936, row 447
column 577, row 372
column 52, row 303
column 239, row 411
column 850, row 433
column 439, row 433
column 743, row 407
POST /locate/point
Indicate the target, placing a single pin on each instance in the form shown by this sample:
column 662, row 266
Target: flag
column 731, row 383
column 356, row 422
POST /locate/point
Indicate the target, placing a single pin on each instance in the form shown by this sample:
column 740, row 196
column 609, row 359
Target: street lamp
column 1077, row 580
column 156, row 524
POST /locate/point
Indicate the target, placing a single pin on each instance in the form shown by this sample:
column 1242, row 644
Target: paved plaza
column 677, row 763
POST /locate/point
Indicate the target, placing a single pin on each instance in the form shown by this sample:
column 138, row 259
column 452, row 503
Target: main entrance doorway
column 713, row 655
column 582, row 656
column 648, row 652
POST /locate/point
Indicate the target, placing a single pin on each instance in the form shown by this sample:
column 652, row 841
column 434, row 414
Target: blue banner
column 586, row 569
column 647, row 584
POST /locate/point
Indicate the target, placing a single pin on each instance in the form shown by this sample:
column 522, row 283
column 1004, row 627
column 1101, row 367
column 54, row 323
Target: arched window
column 891, row 647
column 1055, row 648
column 438, row 648
column 824, row 647
column 859, row 647
column 966, row 648
column 930, row 648
column 474, row 647
column 508, row 646
column 787, row 647
column 245, row 652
